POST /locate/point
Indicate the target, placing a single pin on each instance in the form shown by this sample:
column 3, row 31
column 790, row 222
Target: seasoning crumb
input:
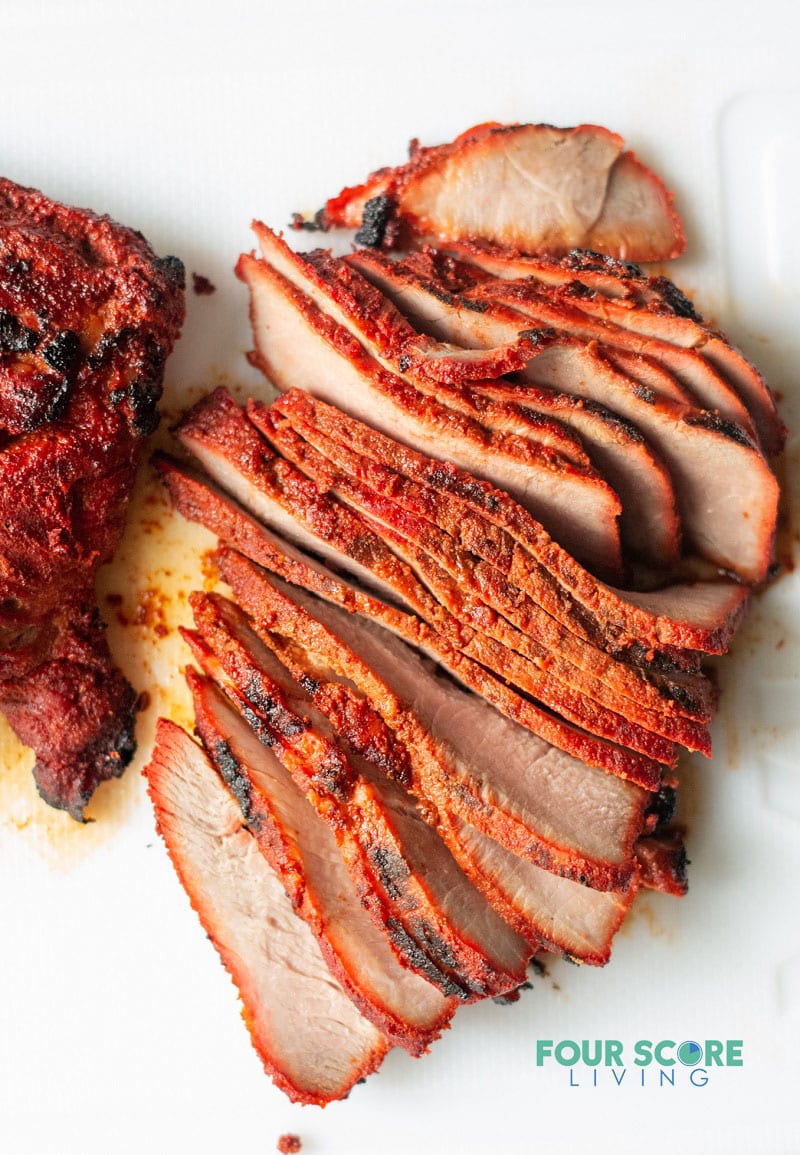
column 202, row 286
column 289, row 1144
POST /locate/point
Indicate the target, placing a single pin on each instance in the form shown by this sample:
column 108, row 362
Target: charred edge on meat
column 391, row 869
column 717, row 424
column 589, row 261
column 237, row 781
column 284, row 723
column 376, row 219
column 16, row 337
column 439, row 951
column 663, row 805
column 537, row 336
column 411, row 949
column 677, row 300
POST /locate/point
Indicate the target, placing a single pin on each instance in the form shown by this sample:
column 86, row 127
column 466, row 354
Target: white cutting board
column 119, row 1031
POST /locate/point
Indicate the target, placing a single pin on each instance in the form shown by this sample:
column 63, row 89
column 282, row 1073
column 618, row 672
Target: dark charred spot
column 276, row 714
column 123, row 747
column 675, row 692
column 578, row 289
column 590, row 261
column 662, row 807
column 410, row 948
column 16, row 337
column 173, row 271
column 332, row 775
column 375, row 220
column 537, row 336
column 309, row 684
column 392, row 871
column 474, row 306
column 538, row 968
column 509, row 998
column 404, row 363
column 62, row 353
column 142, row 397
column 438, row 950
column 236, row 781
column 716, row 424
column 58, row 402
column 671, row 295
column 644, row 393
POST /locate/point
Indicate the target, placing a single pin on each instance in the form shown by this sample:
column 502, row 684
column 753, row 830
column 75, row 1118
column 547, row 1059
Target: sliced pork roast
column 298, row 345
column 397, row 860
column 538, row 188
column 529, row 810
column 445, row 571
column 703, row 614
column 320, row 517
column 564, row 915
column 272, row 956
column 652, row 306
column 649, row 521
column 726, row 493
column 302, row 850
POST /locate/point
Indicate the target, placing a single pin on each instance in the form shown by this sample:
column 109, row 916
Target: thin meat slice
column 300, row 346
column 701, row 616
column 448, row 573
column 315, row 1056
column 599, row 272
column 638, row 221
column 726, row 494
column 536, row 187
column 515, row 806
column 574, row 919
column 217, row 432
column 649, row 523
column 398, row 862
column 227, row 738
column 304, row 853
column 560, row 310
column 325, row 281
column 338, row 290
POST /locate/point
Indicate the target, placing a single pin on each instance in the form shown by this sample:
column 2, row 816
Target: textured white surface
column 118, row 1029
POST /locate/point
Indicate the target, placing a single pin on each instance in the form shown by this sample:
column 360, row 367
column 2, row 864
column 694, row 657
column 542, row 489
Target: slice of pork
column 313, row 1041
column 536, row 187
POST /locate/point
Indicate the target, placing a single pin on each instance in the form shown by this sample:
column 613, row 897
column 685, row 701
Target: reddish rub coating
column 88, row 316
